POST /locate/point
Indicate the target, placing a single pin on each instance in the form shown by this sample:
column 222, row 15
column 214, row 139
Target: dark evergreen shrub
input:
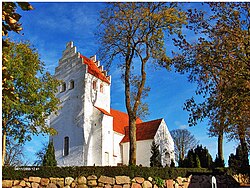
column 218, row 162
column 172, row 163
column 239, row 162
column 197, row 158
column 49, row 158
column 155, row 159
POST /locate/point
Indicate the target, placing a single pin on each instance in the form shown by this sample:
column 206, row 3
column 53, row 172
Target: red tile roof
column 144, row 131
column 94, row 70
column 103, row 111
column 120, row 120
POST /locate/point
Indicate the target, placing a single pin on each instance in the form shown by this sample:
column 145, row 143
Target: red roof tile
column 103, row 111
column 94, row 70
column 144, row 131
column 120, row 120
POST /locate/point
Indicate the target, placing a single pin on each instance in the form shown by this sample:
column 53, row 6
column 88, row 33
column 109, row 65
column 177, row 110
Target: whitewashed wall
column 117, row 148
column 107, row 141
column 69, row 120
column 143, row 151
column 102, row 100
column 166, row 144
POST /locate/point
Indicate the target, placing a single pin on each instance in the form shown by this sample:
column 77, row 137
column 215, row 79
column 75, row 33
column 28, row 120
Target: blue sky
column 51, row 25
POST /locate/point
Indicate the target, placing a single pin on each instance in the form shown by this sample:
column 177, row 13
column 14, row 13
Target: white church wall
column 117, row 148
column 70, row 123
column 91, row 98
column 103, row 97
column 143, row 152
column 107, row 141
column 95, row 145
column 166, row 144
column 125, row 153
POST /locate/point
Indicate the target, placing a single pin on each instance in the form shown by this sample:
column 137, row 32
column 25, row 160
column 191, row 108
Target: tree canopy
column 219, row 62
column 133, row 33
column 10, row 22
column 32, row 98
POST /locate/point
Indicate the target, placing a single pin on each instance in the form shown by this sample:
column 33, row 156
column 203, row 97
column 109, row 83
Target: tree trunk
column 242, row 135
column 182, row 152
column 3, row 146
column 132, row 145
column 220, row 146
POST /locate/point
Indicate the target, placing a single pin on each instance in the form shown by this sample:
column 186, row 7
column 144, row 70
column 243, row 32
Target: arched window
column 94, row 85
column 66, row 146
column 63, row 87
column 101, row 88
column 71, row 84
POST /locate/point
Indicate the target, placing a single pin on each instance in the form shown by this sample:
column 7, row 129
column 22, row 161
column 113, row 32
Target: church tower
column 84, row 92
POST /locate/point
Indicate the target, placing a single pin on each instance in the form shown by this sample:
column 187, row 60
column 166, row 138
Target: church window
column 66, row 146
column 63, row 87
column 71, row 84
column 94, row 85
column 107, row 158
column 101, row 88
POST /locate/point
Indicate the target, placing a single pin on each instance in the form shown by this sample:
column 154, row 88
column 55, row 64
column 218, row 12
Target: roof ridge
column 149, row 121
column 94, row 69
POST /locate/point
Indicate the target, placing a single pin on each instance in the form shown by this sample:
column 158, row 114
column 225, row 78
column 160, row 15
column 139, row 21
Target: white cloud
column 180, row 125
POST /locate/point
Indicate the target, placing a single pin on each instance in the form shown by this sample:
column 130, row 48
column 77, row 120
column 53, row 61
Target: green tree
column 196, row 158
column 189, row 161
column 204, row 156
column 10, row 22
column 49, row 158
column 134, row 33
column 183, row 141
column 218, row 162
column 240, row 160
column 155, row 159
column 25, row 112
column 172, row 163
column 197, row 162
column 219, row 63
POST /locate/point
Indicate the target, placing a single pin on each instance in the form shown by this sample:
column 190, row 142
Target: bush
column 131, row 171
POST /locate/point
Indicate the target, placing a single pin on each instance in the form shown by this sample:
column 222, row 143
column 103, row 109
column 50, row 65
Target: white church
column 89, row 131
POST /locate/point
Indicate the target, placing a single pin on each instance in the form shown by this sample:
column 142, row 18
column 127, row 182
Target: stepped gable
column 144, row 131
column 120, row 120
column 94, row 69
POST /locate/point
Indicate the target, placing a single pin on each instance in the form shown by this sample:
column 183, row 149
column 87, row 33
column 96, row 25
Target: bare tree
column 134, row 33
column 183, row 141
column 40, row 154
column 14, row 154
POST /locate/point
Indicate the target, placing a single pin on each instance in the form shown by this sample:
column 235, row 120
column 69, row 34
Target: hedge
column 131, row 171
